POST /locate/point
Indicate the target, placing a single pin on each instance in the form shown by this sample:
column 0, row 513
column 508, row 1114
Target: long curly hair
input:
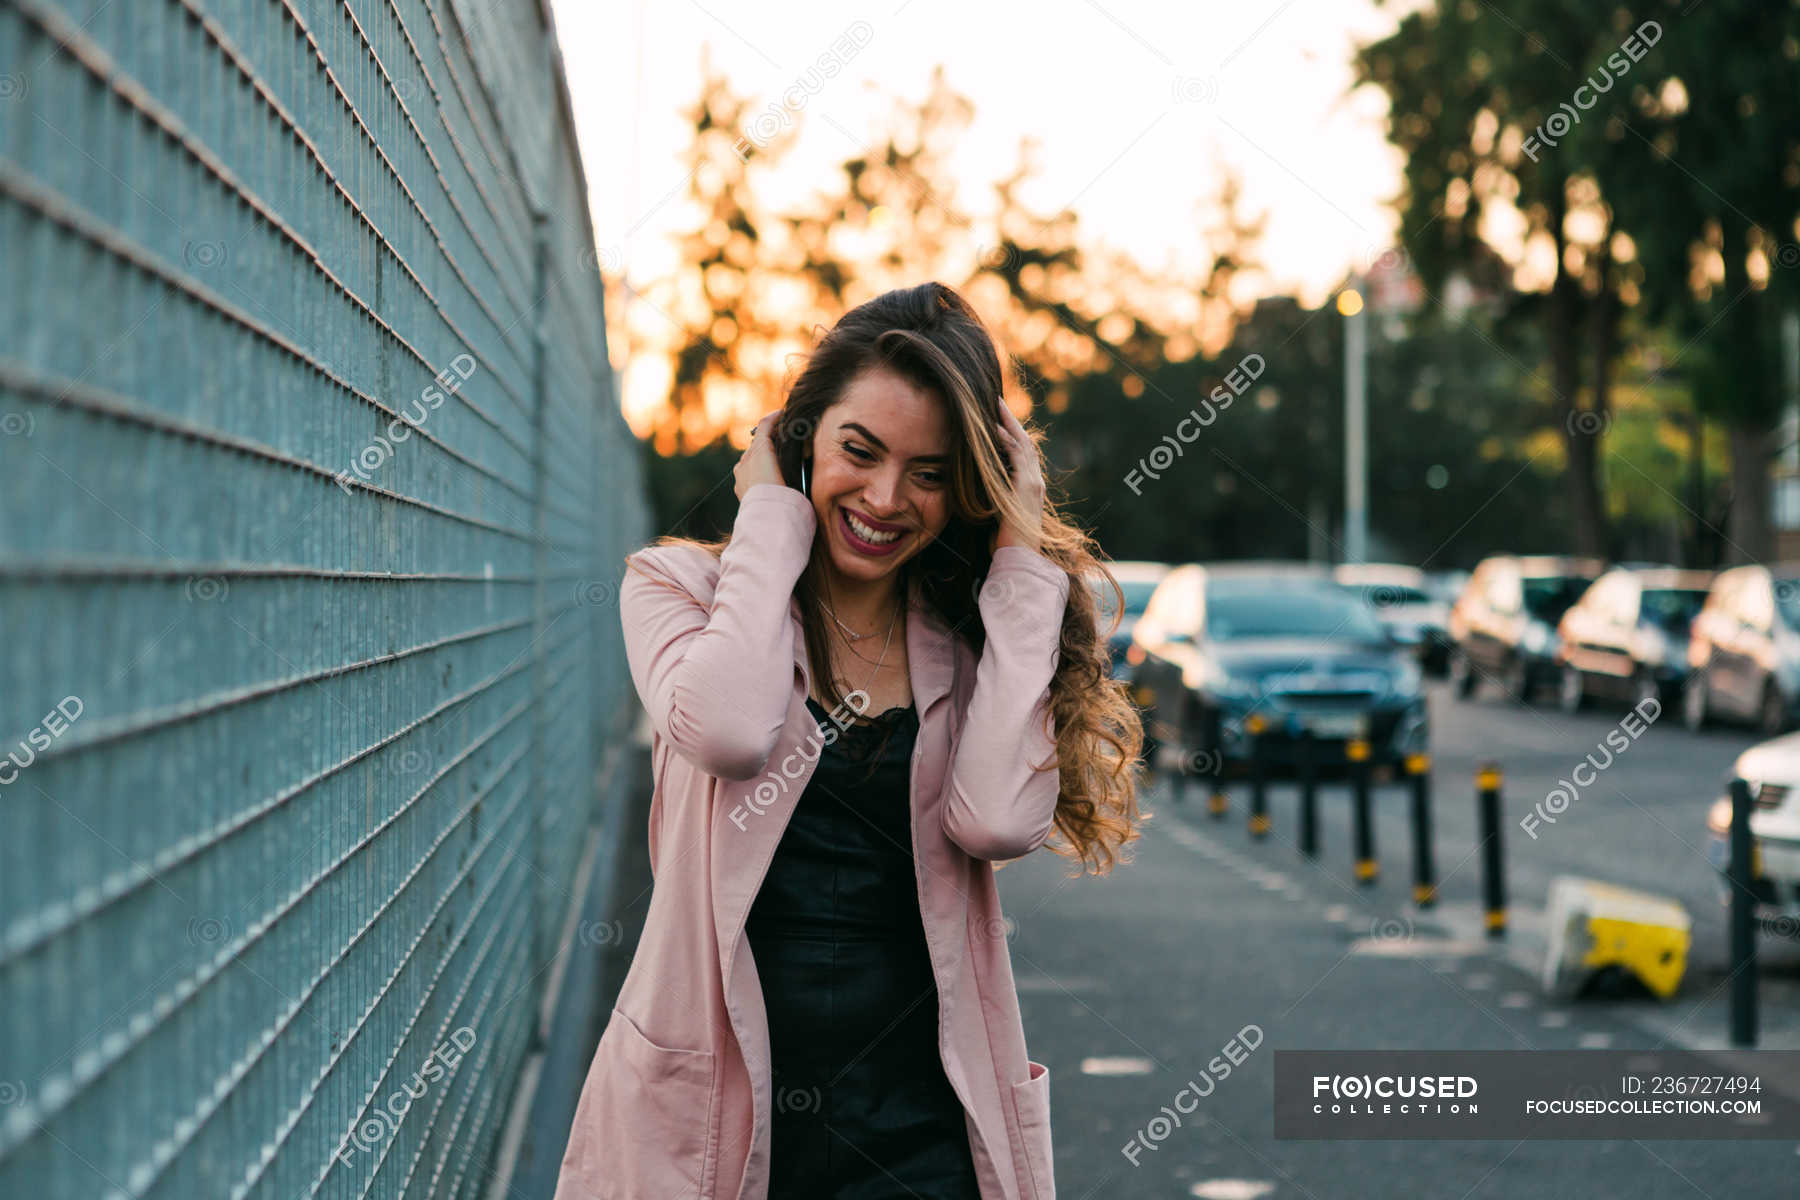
column 931, row 337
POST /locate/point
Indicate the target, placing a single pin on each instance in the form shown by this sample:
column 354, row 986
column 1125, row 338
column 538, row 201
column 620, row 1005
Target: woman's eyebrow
column 882, row 446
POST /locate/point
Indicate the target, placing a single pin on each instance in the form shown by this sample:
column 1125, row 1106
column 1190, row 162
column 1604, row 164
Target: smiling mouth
column 866, row 538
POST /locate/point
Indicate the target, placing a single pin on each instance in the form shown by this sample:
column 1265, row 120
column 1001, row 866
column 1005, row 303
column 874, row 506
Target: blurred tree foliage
column 1110, row 358
column 1652, row 155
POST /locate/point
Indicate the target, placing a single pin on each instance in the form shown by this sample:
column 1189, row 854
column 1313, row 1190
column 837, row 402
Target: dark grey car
column 1744, row 650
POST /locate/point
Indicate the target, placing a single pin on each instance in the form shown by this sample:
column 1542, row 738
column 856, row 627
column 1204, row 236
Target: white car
column 1137, row 580
column 1402, row 599
column 1772, row 770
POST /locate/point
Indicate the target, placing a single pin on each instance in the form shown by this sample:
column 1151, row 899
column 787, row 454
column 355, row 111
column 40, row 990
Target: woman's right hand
column 758, row 463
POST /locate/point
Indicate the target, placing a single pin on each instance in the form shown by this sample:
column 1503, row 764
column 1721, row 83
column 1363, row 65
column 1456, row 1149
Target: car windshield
column 1548, row 597
column 1391, row 595
column 1672, row 608
column 1137, row 596
column 1237, row 613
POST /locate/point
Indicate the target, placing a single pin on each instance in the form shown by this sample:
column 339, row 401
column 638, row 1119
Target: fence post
column 541, row 947
column 1418, row 767
column 1741, row 872
column 1493, row 863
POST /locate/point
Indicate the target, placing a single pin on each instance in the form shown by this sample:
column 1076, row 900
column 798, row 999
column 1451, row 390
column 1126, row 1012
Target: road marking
column 1055, row 984
column 1553, row 1020
column 1231, row 1189
column 1516, row 1000
column 1116, row 1065
column 1414, row 947
column 1594, row 1041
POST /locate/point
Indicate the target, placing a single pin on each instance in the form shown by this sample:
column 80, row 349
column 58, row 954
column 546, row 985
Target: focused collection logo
column 1395, row 1094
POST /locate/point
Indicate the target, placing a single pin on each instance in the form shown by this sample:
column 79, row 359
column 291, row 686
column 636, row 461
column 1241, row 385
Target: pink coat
column 677, row 1101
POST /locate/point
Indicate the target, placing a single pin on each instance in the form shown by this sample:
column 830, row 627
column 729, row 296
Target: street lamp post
column 1356, row 422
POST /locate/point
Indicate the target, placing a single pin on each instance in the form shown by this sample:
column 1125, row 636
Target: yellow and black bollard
column 1367, row 869
column 1307, row 752
column 1493, row 863
column 1418, row 769
column 1256, row 725
column 1218, row 803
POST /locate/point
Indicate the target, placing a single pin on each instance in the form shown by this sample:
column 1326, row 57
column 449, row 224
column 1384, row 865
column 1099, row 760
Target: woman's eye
column 860, row 454
column 932, row 479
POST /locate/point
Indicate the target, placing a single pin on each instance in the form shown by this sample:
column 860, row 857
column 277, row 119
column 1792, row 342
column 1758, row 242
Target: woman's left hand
column 1027, row 483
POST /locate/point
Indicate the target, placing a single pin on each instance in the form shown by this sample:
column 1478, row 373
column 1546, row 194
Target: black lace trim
column 879, row 718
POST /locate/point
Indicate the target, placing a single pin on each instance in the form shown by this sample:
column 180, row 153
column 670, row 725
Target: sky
column 1133, row 105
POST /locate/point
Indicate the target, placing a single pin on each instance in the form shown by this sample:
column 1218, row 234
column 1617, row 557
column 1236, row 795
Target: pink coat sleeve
column 717, row 682
column 998, row 807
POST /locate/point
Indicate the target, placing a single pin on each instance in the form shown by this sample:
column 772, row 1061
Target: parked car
column 1627, row 637
column 1772, row 770
column 1744, row 651
column 1137, row 580
column 1219, row 644
column 1503, row 626
column 1401, row 600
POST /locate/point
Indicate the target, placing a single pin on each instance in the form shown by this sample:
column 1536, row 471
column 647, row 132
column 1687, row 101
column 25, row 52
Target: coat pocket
column 1031, row 1100
column 643, row 1127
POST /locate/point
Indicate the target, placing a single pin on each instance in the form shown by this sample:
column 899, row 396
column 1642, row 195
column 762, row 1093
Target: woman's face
column 880, row 474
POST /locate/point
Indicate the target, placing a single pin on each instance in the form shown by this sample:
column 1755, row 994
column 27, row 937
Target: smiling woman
column 823, row 885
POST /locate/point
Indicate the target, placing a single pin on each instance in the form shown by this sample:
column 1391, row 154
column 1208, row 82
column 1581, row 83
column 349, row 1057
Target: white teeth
column 869, row 535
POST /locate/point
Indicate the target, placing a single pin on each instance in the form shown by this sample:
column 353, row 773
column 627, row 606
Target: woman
column 885, row 682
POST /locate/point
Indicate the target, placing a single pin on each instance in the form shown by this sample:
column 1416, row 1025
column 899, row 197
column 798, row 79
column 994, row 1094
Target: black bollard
column 1307, row 752
column 1367, row 869
column 1418, row 767
column 1741, row 872
column 1256, row 725
column 1493, row 864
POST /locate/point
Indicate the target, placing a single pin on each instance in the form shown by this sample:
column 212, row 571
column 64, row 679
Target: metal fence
column 313, row 501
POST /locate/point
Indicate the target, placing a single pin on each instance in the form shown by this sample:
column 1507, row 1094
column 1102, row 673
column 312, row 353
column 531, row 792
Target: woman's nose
column 882, row 495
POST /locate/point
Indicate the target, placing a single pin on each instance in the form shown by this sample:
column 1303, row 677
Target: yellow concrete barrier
column 1593, row 924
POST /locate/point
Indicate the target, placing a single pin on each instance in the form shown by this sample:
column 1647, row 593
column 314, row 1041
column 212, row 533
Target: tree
column 1470, row 89
column 1703, row 161
column 754, row 287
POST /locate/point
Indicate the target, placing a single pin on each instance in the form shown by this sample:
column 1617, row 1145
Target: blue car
column 1218, row 645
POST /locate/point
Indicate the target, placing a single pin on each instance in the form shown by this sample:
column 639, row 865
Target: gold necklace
column 892, row 621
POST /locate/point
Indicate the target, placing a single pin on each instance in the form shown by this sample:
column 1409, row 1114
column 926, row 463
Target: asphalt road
column 1131, row 984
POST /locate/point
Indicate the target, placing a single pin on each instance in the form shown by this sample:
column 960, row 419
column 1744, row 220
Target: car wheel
column 1696, row 713
column 1571, row 692
column 1462, row 675
column 1518, row 681
column 1771, row 714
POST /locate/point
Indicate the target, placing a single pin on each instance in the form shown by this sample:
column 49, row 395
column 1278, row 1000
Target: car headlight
column 1718, row 817
column 1538, row 638
column 1653, row 646
column 1235, row 688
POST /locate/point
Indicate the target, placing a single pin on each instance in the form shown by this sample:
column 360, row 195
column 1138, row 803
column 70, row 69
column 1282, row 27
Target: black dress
column 862, row 1108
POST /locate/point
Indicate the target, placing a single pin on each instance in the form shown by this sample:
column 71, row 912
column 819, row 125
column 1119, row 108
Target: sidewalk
column 1133, row 984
